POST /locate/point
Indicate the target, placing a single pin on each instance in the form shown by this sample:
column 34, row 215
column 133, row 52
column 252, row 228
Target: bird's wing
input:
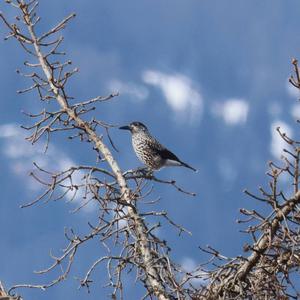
column 164, row 152
column 167, row 154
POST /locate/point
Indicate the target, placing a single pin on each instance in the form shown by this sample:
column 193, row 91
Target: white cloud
column 233, row 111
column 295, row 111
column 22, row 155
column 9, row 130
column 274, row 109
column 227, row 171
column 135, row 91
column 292, row 91
column 189, row 265
column 16, row 147
column 179, row 92
column 277, row 143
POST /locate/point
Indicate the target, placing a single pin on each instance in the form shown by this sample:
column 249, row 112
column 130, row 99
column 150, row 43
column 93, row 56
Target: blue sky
column 209, row 79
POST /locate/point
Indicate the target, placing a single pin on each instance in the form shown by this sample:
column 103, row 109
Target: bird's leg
column 145, row 171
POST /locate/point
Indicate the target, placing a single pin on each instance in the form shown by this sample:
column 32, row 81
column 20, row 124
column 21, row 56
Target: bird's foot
column 145, row 171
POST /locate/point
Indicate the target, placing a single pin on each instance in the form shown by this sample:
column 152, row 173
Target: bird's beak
column 125, row 127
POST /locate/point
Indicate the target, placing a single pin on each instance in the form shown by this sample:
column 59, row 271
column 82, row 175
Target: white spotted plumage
column 149, row 151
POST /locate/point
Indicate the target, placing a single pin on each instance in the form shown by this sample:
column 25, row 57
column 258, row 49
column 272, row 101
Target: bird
column 149, row 150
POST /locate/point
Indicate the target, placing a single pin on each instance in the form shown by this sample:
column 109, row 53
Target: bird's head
column 135, row 127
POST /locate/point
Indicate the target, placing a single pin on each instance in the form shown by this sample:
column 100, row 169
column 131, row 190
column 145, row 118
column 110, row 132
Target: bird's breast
column 144, row 147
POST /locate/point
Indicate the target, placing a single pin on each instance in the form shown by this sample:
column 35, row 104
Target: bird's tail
column 187, row 166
